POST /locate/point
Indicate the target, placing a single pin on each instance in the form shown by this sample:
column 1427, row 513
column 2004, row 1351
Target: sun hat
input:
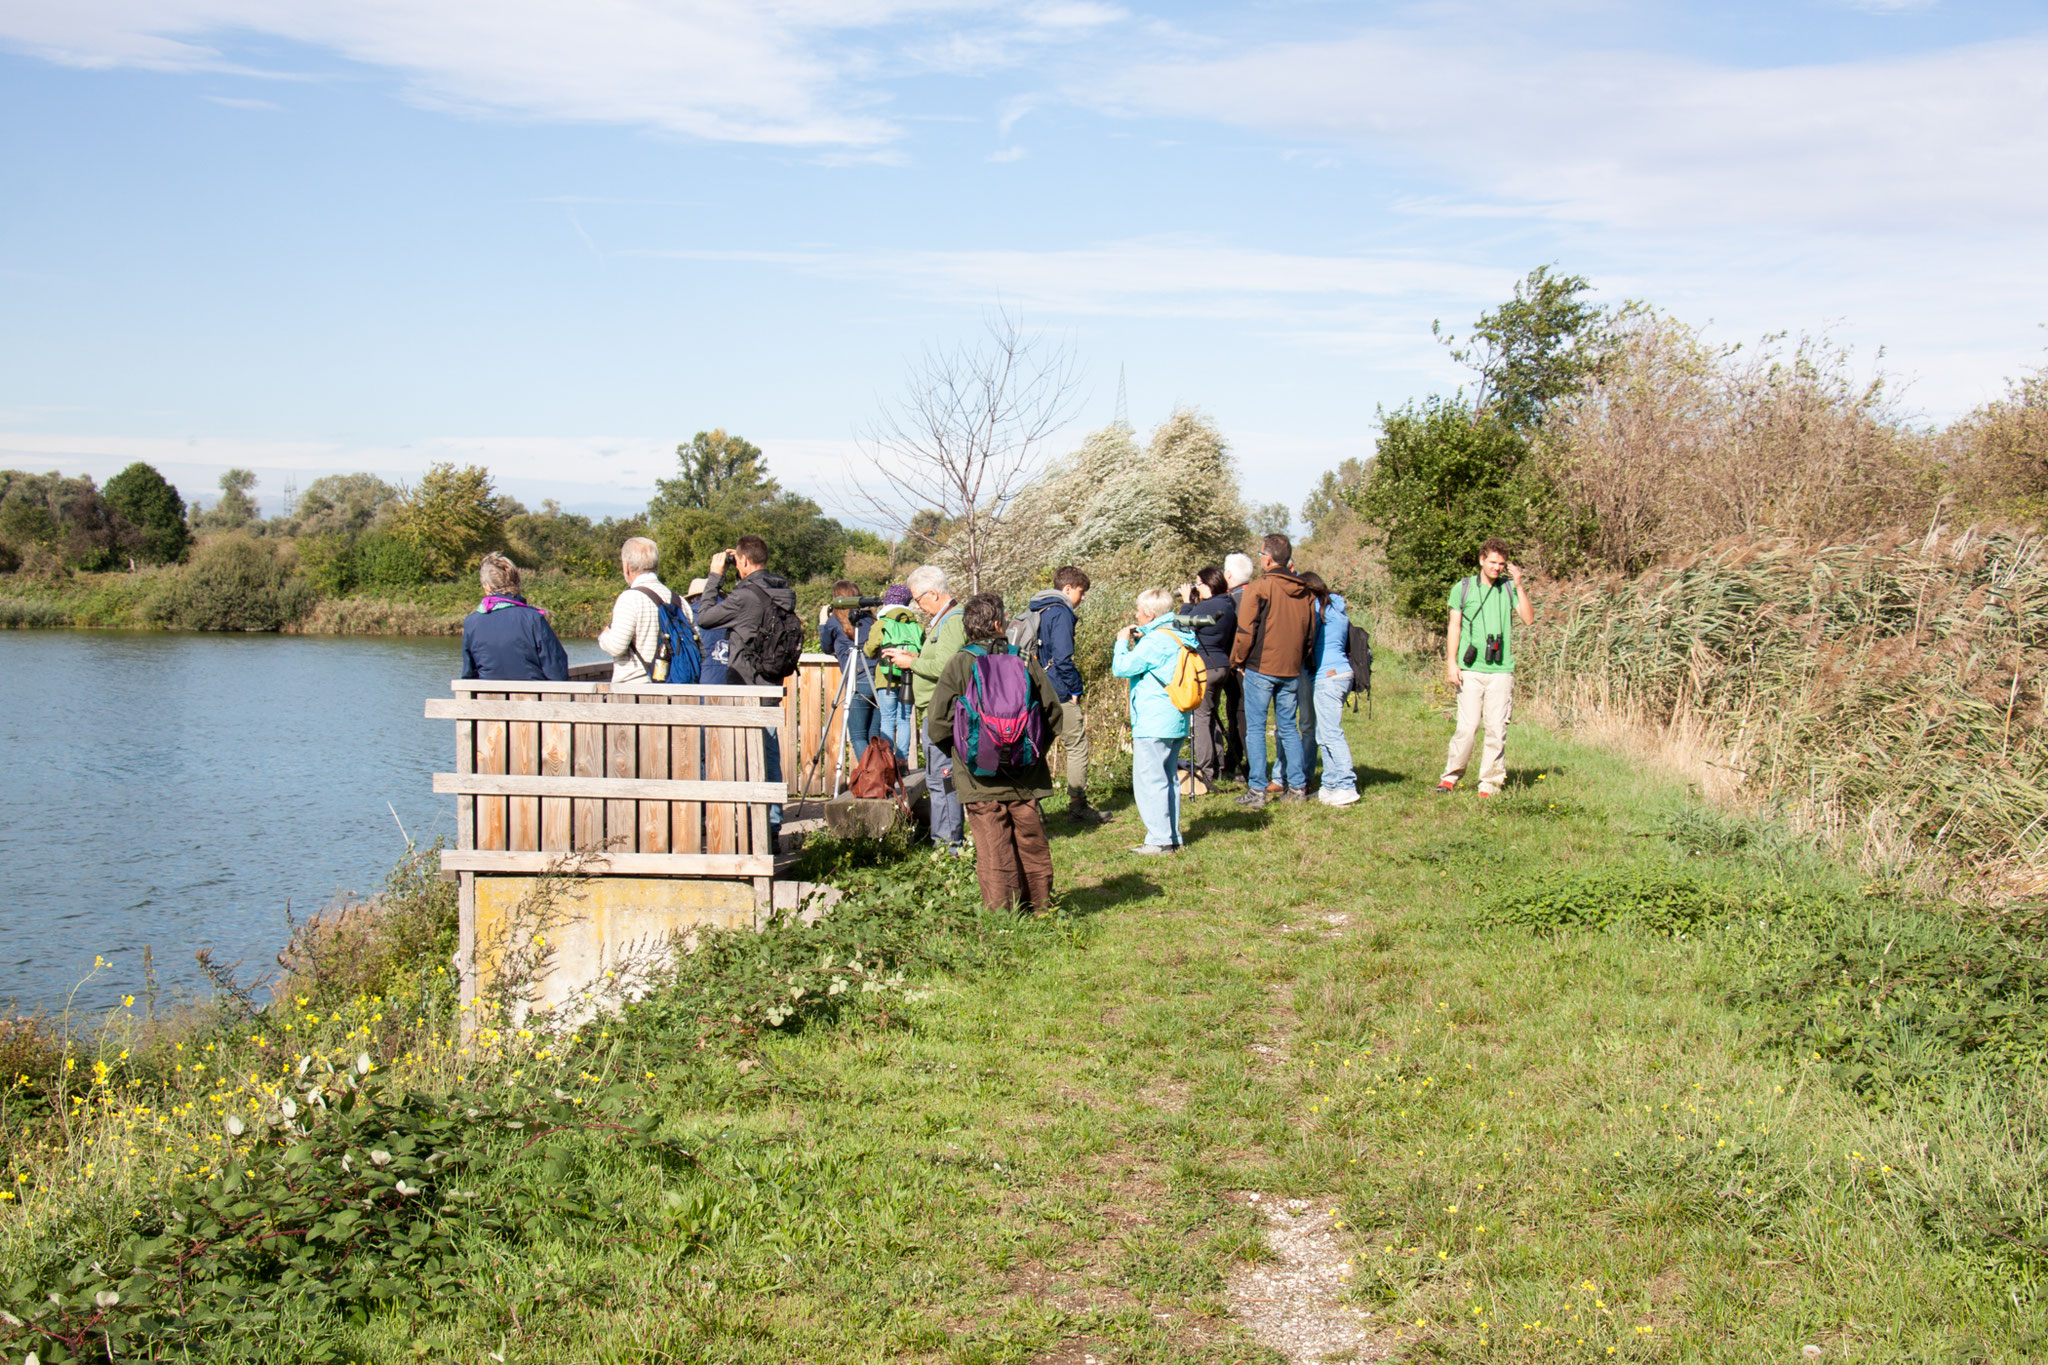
column 896, row 595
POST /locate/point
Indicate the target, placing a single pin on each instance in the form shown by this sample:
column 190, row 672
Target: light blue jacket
column 1333, row 635
column 1149, row 666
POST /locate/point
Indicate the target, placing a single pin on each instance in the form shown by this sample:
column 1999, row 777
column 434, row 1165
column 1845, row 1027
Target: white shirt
column 635, row 632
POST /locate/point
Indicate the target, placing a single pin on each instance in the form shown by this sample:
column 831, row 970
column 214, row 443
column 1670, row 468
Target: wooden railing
column 648, row 780
column 807, row 697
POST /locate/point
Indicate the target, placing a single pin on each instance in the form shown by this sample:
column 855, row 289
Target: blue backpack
column 676, row 658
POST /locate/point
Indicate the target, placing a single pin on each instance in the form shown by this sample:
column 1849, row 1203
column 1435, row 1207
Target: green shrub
column 383, row 562
column 328, row 562
column 233, row 583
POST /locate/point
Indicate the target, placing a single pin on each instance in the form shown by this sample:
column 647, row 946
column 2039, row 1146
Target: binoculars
column 852, row 603
column 1495, row 649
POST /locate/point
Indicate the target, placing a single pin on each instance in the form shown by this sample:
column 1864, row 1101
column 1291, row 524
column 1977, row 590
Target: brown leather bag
column 876, row 776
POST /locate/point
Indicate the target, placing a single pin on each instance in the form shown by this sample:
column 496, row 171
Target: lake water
column 178, row 791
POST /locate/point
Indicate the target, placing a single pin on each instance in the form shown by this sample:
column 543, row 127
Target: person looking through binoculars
column 842, row 632
column 1479, row 661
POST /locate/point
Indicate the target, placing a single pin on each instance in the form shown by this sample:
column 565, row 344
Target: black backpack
column 776, row 647
column 1358, row 650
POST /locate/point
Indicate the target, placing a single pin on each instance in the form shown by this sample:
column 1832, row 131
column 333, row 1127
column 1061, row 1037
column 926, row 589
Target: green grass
column 1571, row 1064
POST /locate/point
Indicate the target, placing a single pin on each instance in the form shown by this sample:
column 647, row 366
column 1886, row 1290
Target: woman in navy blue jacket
column 504, row 639
column 842, row 633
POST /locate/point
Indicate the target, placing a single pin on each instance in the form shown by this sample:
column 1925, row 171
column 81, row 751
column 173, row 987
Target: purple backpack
column 998, row 727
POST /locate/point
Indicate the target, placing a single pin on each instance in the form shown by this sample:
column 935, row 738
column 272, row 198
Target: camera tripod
column 842, row 703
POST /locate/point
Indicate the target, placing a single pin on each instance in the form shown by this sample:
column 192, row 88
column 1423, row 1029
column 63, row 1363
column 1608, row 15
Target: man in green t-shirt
column 1479, row 661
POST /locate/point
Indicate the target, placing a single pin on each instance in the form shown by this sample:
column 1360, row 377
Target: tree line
column 358, row 533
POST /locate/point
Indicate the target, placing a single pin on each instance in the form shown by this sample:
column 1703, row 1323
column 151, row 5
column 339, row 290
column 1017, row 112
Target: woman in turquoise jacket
column 1147, row 655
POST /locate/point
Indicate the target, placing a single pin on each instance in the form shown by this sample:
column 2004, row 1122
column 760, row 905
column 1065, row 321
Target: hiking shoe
column 1337, row 798
column 1252, row 800
column 1293, row 794
column 1484, row 793
column 1446, row 788
column 1276, row 785
column 1085, row 814
column 1155, row 850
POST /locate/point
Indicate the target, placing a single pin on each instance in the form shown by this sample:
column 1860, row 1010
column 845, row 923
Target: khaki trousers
column 1074, row 739
column 1012, row 859
column 1483, row 699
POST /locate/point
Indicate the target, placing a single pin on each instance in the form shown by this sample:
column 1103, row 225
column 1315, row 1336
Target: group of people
column 1272, row 639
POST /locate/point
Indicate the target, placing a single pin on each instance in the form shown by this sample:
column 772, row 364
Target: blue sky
column 559, row 238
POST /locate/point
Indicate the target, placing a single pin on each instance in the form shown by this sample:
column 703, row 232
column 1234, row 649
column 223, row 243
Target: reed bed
column 1892, row 691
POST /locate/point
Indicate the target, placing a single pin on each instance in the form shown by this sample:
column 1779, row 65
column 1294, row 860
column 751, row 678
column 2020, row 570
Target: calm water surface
column 179, row 790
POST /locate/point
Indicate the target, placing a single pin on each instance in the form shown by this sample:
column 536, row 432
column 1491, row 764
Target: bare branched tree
column 965, row 439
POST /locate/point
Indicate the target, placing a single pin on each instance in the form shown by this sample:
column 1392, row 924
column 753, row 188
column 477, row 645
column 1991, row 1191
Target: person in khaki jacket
column 1276, row 618
column 1479, row 661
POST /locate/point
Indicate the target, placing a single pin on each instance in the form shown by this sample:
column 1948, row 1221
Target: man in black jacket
column 746, row 614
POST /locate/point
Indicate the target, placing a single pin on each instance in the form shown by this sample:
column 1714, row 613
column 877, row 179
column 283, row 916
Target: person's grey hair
column 1237, row 570
column 640, row 555
column 1155, row 602
column 500, row 576
column 925, row 578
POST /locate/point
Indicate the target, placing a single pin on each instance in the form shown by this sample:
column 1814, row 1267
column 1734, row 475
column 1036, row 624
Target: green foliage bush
column 328, row 562
column 233, row 583
column 347, row 1197
column 148, row 502
column 383, row 562
column 1445, row 479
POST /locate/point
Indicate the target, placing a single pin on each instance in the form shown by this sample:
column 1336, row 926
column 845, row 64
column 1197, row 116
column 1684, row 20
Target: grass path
column 1536, row 1147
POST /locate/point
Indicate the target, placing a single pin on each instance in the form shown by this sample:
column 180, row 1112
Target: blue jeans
column 1155, row 781
column 1332, row 685
column 1263, row 690
column 773, row 743
column 949, row 821
column 1305, row 722
column 896, row 713
column 862, row 722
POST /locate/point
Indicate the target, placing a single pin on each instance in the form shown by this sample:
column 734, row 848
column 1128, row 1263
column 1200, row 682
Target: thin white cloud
column 233, row 102
column 1168, row 276
column 766, row 71
column 1638, row 140
column 722, row 69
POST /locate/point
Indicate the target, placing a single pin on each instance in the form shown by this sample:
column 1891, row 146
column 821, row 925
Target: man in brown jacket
column 1276, row 620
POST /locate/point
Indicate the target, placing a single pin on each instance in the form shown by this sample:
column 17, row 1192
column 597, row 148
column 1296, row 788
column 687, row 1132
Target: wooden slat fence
column 651, row 780
column 807, row 697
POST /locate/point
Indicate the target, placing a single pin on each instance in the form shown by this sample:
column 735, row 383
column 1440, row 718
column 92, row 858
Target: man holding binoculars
column 1479, row 661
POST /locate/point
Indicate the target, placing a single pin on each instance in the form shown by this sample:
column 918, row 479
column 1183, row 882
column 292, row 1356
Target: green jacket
column 1029, row 785
column 942, row 640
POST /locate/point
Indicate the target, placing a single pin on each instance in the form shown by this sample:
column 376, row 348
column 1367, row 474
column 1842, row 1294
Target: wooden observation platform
column 596, row 823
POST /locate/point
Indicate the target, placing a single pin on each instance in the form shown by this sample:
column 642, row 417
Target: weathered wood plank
column 756, row 745
column 653, row 763
column 555, row 829
column 617, row 790
column 686, row 763
column 573, row 689
column 586, row 817
column 524, row 758
column 720, row 817
column 465, row 762
column 622, row 761
column 490, row 758
column 641, row 711
column 614, row 864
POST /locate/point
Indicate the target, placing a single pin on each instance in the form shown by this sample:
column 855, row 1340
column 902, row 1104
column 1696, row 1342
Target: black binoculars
column 1496, row 650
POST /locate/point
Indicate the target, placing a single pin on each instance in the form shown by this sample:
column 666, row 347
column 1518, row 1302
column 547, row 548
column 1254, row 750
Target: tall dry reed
column 1893, row 690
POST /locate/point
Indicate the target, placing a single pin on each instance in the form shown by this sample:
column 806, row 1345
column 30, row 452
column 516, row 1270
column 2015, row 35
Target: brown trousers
column 1011, row 855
